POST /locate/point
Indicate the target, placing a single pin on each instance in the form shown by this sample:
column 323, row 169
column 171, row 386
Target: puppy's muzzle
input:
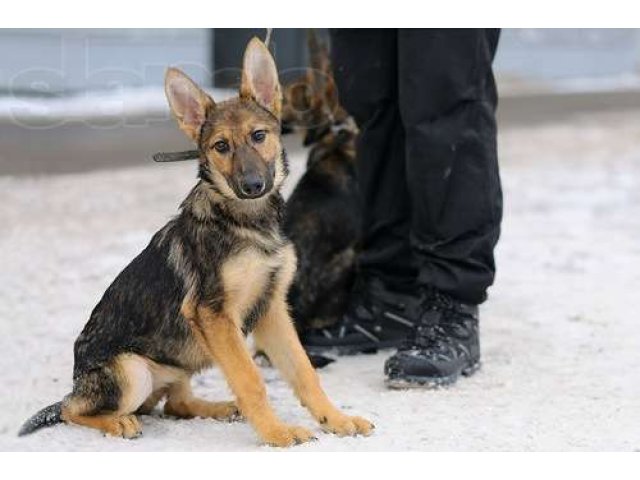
column 252, row 186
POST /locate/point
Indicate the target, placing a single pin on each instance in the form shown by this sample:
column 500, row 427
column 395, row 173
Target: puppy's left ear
column 260, row 77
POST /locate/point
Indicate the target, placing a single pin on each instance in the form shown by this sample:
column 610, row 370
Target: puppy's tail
column 44, row 418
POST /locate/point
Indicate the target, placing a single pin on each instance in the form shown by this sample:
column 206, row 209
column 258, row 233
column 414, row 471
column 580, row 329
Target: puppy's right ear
column 189, row 104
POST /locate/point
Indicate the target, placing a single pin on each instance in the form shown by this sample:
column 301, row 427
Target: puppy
column 218, row 271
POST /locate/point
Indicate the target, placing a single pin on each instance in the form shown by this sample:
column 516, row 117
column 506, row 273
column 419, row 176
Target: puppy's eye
column 258, row 136
column 221, row 146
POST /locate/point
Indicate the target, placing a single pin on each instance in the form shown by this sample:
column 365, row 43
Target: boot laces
column 439, row 313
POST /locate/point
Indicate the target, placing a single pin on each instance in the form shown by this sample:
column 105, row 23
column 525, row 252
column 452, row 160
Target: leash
column 163, row 157
column 267, row 38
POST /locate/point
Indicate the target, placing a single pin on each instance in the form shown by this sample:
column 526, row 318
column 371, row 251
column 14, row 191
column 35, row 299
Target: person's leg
column 365, row 69
column 364, row 65
column 447, row 104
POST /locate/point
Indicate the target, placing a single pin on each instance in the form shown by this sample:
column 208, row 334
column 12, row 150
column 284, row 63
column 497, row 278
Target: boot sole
column 347, row 350
column 429, row 383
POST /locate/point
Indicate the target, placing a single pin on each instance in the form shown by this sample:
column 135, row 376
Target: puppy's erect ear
column 188, row 102
column 260, row 77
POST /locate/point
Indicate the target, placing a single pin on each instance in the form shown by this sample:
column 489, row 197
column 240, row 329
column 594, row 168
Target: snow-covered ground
column 560, row 333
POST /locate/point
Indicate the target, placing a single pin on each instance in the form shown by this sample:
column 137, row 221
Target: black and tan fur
column 323, row 214
column 219, row 270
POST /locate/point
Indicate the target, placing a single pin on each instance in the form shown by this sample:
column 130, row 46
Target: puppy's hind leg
column 126, row 426
column 181, row 403
column 150, row 403
column 105, row 398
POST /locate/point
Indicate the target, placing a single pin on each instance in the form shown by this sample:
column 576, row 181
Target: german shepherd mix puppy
column 323, row 214
column 219, row 270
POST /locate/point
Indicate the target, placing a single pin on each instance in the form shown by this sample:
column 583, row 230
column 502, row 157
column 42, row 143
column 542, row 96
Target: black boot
column 376, row 318
column 443, row 346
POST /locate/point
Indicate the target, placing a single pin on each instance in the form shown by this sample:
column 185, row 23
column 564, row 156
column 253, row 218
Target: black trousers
column 425, row 103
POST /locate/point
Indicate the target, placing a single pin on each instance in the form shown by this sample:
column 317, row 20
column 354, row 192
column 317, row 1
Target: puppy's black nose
column 252, row 186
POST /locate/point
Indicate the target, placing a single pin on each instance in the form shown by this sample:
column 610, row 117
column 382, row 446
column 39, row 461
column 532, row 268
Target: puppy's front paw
column 344, row 425
column 287, row 435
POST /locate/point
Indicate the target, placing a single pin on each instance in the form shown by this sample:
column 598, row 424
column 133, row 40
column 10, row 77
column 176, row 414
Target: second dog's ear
column 189, row 104
column 260, row 77
column 318, row 53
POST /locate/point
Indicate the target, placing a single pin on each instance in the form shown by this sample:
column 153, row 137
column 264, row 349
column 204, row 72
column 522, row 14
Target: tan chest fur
column 246, row 277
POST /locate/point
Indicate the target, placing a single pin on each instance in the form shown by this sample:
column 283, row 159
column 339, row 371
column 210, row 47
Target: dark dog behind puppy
column 323, row 215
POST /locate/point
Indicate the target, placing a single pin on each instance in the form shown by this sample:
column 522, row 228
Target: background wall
column 50, row 61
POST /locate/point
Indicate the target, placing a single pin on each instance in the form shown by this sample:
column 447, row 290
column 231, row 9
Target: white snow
column 560, row 333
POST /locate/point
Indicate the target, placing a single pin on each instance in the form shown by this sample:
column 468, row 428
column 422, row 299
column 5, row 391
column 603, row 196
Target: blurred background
column 94, row 97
